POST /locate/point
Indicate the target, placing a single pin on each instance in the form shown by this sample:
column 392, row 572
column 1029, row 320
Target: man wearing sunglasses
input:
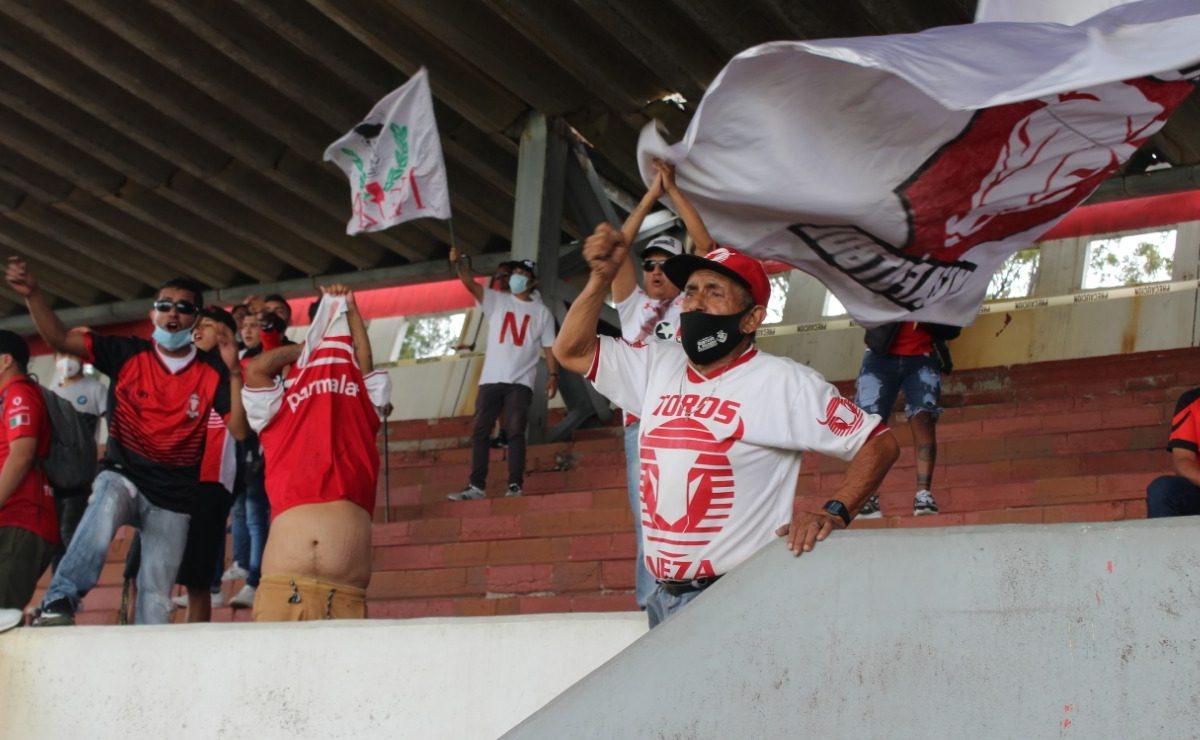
column 648, row 314
column 161, row 391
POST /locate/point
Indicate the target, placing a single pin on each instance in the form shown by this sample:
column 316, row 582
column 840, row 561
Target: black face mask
column 707, row 338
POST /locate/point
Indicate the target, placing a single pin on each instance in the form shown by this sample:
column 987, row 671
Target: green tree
column 1015, row 276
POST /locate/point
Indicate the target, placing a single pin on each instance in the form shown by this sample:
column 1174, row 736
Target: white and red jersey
column 317, row 428
column 517, row 331
column 644, row 319
column 219, row 464
column 720, row 455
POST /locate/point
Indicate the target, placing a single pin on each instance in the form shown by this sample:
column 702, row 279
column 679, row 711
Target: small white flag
column 394, row 161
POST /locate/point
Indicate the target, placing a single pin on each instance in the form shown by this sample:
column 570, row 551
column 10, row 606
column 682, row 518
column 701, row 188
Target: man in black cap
column 519, row 329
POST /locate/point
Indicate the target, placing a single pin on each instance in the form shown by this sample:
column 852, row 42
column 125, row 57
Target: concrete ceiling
column 169, row 137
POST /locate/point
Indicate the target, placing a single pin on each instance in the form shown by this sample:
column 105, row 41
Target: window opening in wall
column 1129, row 260
column 1014, row 279
column 832, row 307
column 779, row 289
column 428, row 336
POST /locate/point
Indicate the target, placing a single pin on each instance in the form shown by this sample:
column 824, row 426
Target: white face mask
column 67, row 367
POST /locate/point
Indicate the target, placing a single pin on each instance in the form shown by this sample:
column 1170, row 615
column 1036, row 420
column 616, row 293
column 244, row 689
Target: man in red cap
column 723, row 425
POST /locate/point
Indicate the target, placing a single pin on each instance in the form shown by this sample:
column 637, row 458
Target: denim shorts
column 882, row 377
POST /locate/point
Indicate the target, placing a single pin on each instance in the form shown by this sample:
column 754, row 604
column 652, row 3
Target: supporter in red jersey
column 28, row 526
column 317, row 428
column 1179, row 494
column 160, row 395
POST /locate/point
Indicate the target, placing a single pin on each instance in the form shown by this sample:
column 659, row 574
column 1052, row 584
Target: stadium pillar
column 537, row 227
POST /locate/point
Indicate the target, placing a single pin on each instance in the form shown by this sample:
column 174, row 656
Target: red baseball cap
column 727, row 261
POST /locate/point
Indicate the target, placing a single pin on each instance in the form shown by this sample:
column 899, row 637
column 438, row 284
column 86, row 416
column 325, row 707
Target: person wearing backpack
column 28, row 525
column 161, row 392
column 89, row 397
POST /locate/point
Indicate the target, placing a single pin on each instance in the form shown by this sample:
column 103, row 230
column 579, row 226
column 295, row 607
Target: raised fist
column 605, row 251
column 19, row 278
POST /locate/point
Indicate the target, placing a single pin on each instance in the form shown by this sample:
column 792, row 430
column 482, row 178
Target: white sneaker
column 470, row 493
column 244, row 599
column 218, row 599
column 923, row 504
column 10, row 618
column 235, row 573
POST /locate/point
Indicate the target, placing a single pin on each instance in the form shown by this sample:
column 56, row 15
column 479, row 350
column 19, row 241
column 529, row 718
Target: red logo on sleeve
column 842, row 417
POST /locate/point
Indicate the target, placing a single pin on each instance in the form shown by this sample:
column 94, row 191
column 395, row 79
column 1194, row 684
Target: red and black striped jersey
column 158, row 418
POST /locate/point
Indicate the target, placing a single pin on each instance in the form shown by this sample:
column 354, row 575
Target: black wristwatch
column 838, row 509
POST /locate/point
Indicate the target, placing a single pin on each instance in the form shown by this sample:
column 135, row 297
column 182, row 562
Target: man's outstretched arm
column 605, row 250
column 462, row 268
column 47, row 323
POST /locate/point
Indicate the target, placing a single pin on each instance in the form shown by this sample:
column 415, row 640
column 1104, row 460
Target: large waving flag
column 902, row 170
column 394, row 161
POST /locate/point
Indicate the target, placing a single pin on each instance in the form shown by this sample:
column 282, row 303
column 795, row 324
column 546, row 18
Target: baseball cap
column 668, row 244
column 727, row 261
column 528, row 265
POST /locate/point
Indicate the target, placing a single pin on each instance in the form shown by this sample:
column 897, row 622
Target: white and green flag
column 394, row 161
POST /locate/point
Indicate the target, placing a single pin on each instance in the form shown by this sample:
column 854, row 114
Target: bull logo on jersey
column 1014, row 169
column 842, row 417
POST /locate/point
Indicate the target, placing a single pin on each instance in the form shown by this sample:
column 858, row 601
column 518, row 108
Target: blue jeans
column 882, row 377
column 115, row 501
column 644, row 581
column 661, row 604
column 1172, row 495
column 251, row 521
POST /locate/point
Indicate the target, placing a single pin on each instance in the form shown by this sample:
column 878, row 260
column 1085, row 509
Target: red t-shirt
column 911, row 340
column 31, row 506
column 318, row 429
column 158, row 417
column 1185, row 424
column 219, row 464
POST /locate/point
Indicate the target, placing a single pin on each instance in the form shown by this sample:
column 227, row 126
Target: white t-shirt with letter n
column 720, row 455
column 517, row 332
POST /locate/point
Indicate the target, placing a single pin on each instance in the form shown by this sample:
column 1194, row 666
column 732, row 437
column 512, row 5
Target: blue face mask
column 518, row 284
column 172, row 340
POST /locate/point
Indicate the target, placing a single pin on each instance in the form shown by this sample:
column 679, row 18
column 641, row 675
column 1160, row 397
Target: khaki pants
column 282, row 598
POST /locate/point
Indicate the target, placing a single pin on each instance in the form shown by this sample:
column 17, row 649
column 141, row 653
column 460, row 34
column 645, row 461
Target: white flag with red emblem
column 902, row 170
column 394, row 161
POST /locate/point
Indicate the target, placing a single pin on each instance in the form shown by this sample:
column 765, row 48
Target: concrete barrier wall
column 430, row 678
column 1079, row 630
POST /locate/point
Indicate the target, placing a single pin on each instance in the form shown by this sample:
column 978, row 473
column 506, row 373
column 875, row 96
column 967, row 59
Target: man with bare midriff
column 317, row 427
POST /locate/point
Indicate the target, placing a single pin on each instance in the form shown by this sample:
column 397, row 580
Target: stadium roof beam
column 188, row 136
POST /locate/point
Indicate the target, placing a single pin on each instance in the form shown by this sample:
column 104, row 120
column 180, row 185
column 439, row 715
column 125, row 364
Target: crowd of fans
column 218, row 420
